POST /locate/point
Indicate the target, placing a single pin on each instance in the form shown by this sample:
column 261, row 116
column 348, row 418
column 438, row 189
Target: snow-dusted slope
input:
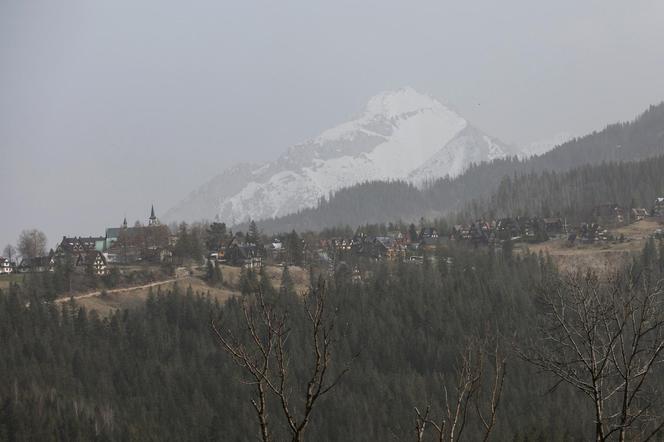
column 400, row 135
column 540, row 147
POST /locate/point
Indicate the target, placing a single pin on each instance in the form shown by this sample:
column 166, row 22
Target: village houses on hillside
column 122, row 244
column 154, row 242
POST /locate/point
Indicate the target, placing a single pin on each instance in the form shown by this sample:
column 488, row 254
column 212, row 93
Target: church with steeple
column 153, row 221
column 137, row 242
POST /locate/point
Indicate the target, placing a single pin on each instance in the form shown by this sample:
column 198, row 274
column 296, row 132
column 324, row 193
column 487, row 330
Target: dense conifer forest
column 159, row 373
column 574, row 194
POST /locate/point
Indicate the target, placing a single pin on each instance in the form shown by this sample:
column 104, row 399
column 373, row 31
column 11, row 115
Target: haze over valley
column 331, row 221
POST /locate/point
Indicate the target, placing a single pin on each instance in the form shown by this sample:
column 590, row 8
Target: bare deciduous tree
column 10, row 252
column 606, row 340
column 470, row 394
column 32, row 243
column 261, row 349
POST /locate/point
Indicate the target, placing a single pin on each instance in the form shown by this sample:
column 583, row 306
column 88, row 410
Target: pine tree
column 215, row 235
column 253, row 235
column 286, row 282
column 294, row 249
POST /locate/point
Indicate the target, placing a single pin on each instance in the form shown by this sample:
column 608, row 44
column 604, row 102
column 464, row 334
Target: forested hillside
column 574, row 194
column 158, row 373
column 381, row 201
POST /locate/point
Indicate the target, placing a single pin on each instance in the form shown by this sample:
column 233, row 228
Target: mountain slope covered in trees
column 157, row 372
column 380, row 201
column 575, row 193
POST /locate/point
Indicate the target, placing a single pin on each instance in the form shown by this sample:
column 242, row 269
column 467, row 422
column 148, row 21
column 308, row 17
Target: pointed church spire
column 152, row 221
column 124, row 223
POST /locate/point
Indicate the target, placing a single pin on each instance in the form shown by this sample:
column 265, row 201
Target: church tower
column 153, row 221
column 124, row 223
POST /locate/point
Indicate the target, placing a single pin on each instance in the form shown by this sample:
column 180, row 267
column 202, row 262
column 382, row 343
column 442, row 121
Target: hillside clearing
column 603, row 257
column 132, row 297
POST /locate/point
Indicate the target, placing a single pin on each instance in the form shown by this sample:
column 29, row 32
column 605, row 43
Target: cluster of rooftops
column 154, row 242
column 95, row 252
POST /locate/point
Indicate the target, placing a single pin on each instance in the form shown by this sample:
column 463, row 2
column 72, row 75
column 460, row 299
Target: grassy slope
column 604, row 257
column 131, row 298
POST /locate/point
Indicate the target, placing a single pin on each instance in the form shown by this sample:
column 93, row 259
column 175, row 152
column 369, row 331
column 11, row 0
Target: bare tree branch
column 604, row 339
column 263, row 352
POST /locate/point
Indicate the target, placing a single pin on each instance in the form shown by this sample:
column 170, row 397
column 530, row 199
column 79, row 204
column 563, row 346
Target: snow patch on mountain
column 542, row 146
column 401, row 134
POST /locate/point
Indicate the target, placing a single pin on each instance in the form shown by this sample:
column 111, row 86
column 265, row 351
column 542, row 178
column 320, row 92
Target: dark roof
column 86, row 242
column 113, row 232
column 428, row 241
column 37, row 261
column 90, row 257
column 83, row 238
column 428, row 231
column 231, row 241
column 385, row 241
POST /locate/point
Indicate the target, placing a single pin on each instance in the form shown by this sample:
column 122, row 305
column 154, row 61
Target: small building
column 94, row 261
column 480, row 232
column 82, row 244
column 157, row 255
column 658, row 207
column 388, row 248
column 276, row 250
column 38, row 264
column 243, row 255
column 639, row 214
column 507, row 228
column 428, row 232
column 461, row 232
column 356, row 275
column 553, row 226
column 609, row 214
column 6, row 266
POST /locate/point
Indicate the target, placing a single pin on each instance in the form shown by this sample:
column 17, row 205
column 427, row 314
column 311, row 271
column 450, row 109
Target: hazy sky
column 109, row 106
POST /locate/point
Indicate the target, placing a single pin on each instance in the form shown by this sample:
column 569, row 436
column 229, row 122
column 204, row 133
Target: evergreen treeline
column 375, row 202
column 575, row 193
column 157, row 373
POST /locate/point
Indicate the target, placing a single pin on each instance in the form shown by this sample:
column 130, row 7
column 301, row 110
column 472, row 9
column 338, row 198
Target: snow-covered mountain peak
column 403, row 101
column 400, row 134
column 386, row 112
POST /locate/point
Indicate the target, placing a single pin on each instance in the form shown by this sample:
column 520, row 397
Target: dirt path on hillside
column 119, row 290
column 133, row 297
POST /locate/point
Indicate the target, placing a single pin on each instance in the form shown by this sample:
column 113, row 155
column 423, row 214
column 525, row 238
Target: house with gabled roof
column 6, row 266
column 553, row 226
column 658, row 207
column 38, row 264
column 639, row 213
column 428, row 232
column 388, row 248
column 94, row 261
column 243, row 255
column 609, row 214
column 81, row 244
